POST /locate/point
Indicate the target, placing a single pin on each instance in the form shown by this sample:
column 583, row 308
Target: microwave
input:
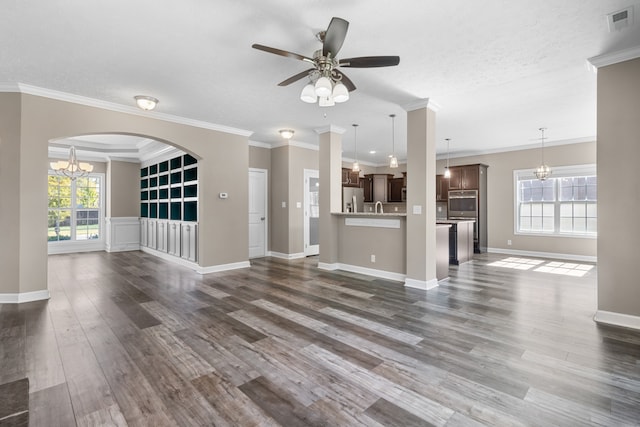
column 463, row 204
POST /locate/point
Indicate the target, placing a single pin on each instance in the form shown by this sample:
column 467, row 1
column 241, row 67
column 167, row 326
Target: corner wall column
column 330, row 140
column 421, row 195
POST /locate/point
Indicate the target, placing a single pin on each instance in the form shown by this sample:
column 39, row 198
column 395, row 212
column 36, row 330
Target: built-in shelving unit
column 169, row 206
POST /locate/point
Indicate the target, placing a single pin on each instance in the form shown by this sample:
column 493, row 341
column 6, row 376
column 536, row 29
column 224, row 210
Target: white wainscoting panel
column 123, row 234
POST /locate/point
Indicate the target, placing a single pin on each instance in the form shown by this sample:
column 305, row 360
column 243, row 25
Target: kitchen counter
column 453, row 221
column 392, row 214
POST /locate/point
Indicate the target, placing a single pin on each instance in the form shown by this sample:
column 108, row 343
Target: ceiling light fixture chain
column 447, row 171
column 393, row 161
column 543, row 171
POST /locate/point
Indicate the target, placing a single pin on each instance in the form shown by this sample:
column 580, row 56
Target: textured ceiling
column 498, row 69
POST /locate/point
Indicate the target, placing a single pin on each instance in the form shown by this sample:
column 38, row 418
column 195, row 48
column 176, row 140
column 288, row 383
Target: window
column 74, row 208
column 565, row 204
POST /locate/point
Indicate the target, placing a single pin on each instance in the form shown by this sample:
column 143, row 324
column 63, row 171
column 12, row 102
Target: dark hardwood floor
column 129, row 339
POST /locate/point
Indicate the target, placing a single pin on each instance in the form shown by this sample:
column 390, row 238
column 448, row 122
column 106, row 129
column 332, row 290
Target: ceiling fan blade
column 370, row 61
column 345, row 80
column 281, row 52
column 295, row 78
column 334, row 36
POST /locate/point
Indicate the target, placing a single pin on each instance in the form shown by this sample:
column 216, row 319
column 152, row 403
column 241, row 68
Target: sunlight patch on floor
column 554, row 267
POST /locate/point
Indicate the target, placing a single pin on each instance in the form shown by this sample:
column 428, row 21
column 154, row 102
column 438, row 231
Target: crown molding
column 615, row 57
column 516, row 148
column 422, row 103
column 330, row 128
column 362, row 162
column 260, row 144
column 299, row 144
column 112, row 106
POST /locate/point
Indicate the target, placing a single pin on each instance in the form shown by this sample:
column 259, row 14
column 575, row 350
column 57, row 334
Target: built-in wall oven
column 463, row 204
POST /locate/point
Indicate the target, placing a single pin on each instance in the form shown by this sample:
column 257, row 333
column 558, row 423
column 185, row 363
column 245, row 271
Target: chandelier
column 71, row 168
column 543, row 171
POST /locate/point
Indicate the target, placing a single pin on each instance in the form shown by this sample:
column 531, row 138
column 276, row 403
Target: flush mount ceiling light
column 146, row 103
column 286, row 133
column 447, row 171
column 356, row 165
column 393, row 161
column 327, row 84
column 543, row 171
column 71, row 168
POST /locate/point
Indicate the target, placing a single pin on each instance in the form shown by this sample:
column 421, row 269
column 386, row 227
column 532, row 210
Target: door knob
column 262, row 219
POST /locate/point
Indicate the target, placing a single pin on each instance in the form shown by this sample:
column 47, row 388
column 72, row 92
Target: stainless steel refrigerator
column 352, row 199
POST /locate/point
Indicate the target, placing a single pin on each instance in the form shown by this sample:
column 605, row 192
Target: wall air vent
column 620, row 20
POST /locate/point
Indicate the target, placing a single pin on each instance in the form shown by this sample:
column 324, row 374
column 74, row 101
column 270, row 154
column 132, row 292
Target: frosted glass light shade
column 308, row 94
column 393, row 162
column 323, row 87
column 356, row 167
column 340, row 93
column 447, row 172
column 146, row 103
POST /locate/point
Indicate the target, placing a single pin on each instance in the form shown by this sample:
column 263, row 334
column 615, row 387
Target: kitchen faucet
column 381, row 209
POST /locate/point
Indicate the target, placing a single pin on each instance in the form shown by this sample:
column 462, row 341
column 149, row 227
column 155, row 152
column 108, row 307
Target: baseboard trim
column 71, row 247
column 24, row 297
column 223, row 267
column 171, row 258
column 123, row 248
column 424, row 285
column 389, row 275
column 328, row 266
column 553, row 255
column 617, row 319
column 286, row 256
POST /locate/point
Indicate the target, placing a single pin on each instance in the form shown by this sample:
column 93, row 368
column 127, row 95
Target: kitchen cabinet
column 350, row 178
column 395, row 189
column 366, row 183
column 442, row 188
column 465, row 177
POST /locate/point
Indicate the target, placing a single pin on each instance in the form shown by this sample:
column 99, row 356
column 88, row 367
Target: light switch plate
column 284, row 204
column 298, row 205
column 417, row 209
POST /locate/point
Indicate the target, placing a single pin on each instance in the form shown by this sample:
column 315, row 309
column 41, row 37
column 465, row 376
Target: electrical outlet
column 395, row 208
column 373, row 258
column 509, row 242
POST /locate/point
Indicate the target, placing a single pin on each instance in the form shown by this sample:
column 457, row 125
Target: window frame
column 74, row 211
column 584, row 170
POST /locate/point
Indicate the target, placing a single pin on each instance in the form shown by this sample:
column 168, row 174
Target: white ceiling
column 499, row 69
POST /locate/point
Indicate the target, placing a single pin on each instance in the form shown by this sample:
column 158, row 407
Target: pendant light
column 543, row 171
column 447, row 171
column 393, row 161
column 356, row 165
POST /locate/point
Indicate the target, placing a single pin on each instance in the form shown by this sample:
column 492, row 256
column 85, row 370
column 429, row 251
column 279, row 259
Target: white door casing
column 257, row 212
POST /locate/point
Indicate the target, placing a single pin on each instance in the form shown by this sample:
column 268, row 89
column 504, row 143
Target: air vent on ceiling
column 621, row 19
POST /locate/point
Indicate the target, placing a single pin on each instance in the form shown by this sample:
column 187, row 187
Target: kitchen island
column 460, row 239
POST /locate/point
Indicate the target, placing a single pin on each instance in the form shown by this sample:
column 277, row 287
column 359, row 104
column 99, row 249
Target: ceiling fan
column 328, row 84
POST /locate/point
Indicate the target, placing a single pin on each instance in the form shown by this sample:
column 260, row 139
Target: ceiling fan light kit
column 327, row 84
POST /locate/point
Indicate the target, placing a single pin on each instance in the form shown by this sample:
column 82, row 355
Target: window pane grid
column 74, row 208
column 560, row 206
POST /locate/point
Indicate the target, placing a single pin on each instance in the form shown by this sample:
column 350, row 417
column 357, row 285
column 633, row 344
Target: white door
column 311, row 212
column 257, row 213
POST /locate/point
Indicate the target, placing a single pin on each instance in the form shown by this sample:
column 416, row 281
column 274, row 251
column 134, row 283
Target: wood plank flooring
column 129, row 339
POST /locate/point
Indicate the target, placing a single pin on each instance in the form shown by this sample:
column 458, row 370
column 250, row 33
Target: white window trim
column 65, row 246
column 557, row 172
